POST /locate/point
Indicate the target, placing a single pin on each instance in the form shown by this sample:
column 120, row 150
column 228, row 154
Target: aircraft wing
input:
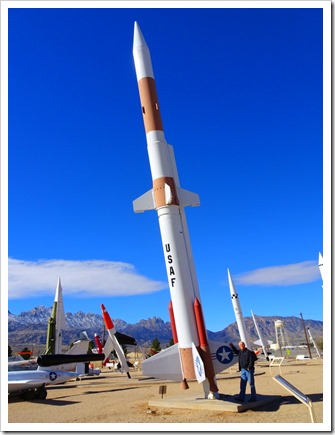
column 125, row 339
column 14, row 386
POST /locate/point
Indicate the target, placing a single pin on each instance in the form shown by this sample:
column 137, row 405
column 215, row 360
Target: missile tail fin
column 222, row 356
column 164, row 365
column 187, row 198
column 144, row 202
column 108, row 347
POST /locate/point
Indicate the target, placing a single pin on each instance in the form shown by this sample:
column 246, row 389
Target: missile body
column 314, row 344
column 115, row 344
column 98, row 343
column 238, row 311
column 260, row 337
column 321, row 265
column 169, row 200
column 56, row 323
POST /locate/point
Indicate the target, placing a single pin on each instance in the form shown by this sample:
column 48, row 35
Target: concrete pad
column 225, row 403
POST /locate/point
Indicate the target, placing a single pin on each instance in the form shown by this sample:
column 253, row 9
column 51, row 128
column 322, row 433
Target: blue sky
column 241, row 97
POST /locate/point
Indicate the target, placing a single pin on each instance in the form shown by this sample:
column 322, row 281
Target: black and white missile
column 238, row 311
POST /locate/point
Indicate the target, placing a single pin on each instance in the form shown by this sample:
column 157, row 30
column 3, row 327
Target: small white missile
column 56, row 323
column 260, row 337
column 321, row 265
column 117, row 347
column 314, row 344
column 238, row 311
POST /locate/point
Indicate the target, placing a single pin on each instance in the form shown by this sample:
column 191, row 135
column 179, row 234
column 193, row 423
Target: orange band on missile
column 159, row 191
column 186, row 357
column 150, row 107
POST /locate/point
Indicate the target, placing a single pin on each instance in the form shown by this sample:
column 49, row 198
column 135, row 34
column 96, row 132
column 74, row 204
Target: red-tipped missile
column 115, row 344
column 169, row 200
column 98, row 343
column 107, row 320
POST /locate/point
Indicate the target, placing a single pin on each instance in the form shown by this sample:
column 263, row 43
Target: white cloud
column 290, row 274
column 80, row 278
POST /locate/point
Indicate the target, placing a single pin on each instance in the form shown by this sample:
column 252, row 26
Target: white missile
column 238, row 311
column 114, row 342
column 260, row 337
column 321, row 265
column 169, row 200
column 314, row 344
column 56, row 323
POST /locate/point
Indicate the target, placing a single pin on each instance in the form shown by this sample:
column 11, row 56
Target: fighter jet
column 31, row 384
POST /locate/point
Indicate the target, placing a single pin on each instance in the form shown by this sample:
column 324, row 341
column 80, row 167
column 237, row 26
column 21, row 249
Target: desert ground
column 113, row 398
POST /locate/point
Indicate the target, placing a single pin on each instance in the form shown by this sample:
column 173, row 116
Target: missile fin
column 187, row 198
column 222, row 356
column 164, row 365
column 108, row 347
column 144, row 202
column 199, row 368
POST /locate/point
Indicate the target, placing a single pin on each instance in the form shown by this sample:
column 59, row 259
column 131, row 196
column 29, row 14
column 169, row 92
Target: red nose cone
column 108, row 321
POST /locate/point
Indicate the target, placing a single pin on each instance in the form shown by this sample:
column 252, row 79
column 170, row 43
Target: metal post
column 308, row 347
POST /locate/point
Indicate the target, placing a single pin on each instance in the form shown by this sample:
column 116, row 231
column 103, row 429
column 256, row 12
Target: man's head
column 241, row 345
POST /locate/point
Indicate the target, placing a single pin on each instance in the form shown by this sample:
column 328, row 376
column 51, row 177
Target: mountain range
column 29, row 328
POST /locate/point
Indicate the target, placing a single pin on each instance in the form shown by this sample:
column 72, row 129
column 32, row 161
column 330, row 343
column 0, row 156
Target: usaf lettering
column 170, row 261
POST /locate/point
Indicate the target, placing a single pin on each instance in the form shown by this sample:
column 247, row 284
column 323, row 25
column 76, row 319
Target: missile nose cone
column 141, row 55
column 107, row 320
column 231, row 284
column 139, row 40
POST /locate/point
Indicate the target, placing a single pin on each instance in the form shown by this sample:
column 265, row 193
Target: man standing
column 246, row 365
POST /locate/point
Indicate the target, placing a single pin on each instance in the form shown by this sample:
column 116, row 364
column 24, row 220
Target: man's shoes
column 253, row 399
column 238, row 399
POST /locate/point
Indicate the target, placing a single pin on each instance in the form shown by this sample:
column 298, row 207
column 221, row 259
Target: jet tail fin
column 79, row 347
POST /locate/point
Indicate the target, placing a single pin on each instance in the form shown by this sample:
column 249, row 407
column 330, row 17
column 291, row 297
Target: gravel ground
column 113, row 398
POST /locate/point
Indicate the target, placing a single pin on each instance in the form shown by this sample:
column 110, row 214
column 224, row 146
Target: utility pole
column 303, row 324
